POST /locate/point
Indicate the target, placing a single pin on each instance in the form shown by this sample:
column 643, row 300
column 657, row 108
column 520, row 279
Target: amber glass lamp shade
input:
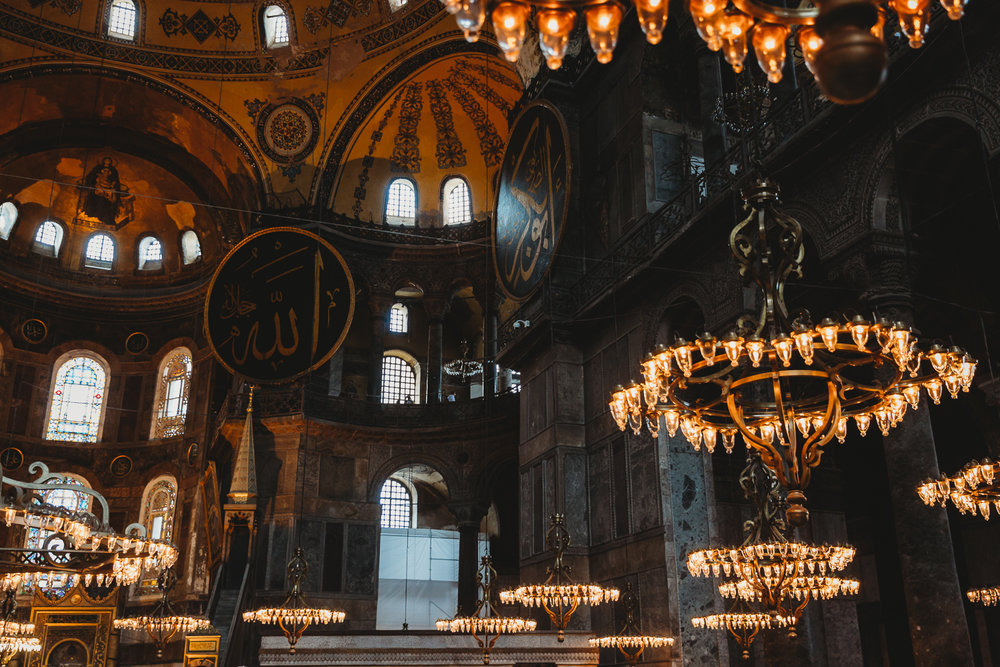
column 914, row 19
column 733, row 29
column 602, row 27
column 810, row 44
column 769, row 47
column 708, row 23
column 955, row 8
column 510, row 23
column 554, row 27
column 652, row 15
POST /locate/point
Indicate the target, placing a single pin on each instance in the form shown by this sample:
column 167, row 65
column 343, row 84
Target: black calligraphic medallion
column 532, row 199
column 121, row 466
column 11, row 458
column 279, row 305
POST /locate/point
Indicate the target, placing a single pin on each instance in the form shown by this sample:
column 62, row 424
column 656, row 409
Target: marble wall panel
column 362, row 545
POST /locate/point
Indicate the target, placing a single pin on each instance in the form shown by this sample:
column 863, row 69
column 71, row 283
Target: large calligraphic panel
column 279, row 305
column 532, row 200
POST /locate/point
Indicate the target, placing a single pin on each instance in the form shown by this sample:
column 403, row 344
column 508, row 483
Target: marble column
column 379, row 314
column 435, row 309
column 687, row 491
column 469, row 516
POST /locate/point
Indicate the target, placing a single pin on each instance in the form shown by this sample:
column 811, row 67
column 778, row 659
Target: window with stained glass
column 77, row 401
column 396, row 504
column 35, row 538
column 158, row 505
column 399, row 318
column 399, row 380
column 172, row 394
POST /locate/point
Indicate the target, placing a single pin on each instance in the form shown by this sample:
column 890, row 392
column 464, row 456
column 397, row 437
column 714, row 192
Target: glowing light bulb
column 510, row 23
column 554, row 27
column 769, row 47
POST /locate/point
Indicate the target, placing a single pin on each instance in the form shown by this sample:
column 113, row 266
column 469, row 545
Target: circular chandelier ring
column 786, row 15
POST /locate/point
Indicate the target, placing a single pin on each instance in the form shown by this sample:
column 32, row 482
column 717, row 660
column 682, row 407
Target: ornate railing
column 276, row 402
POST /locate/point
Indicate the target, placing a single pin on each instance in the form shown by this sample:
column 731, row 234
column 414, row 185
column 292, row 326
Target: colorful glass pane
column 77, row 397
column 55, row 584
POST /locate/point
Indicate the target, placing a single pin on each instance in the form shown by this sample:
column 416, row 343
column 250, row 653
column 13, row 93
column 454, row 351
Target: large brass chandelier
column 15, row 636
column 78, row 546
column 630, row 641
column 974, row 490
column 785, row 385
column 485, row 624
column 841, row 41
column 294, row 615
column 559, row 595
column 743, row 623
column 162, row 623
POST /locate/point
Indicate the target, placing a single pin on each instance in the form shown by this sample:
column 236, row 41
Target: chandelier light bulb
column 955, row 8
column 470, row 18
column 733, row 29
column 652, row 15
column 914, row 19
column 510, row 23
column 452, row 6
column 554, row 27
column 602, row 27
column 769, row 47
column 810, row 43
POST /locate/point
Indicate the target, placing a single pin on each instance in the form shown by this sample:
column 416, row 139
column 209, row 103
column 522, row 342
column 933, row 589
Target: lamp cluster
column 975, row 489
column 799, row 588
column 294, row 615
column 487, row 625
column 163, row 623
column 629, row 641
column 538, row 595
column 741, row 621
column 987, row 596
column 842, row 41
column 771, row 564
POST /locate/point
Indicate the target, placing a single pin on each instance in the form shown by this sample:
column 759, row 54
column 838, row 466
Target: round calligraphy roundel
column 279, row 305
column 532, row 199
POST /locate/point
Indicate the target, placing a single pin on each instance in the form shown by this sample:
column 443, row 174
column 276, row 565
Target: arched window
column 399, row 379
column 396, row 5
column 76, row 408
column 172, row 394
column 401, row 203
column 122, row 20
column 8, row 216
column 456, row 202
column 35, row 537
column 190, row 247
column 100, row 252
column 159, row 502
column 397, row 505
column 48, row 238
column 150, row 253
column 275, row 26
column 399, row 318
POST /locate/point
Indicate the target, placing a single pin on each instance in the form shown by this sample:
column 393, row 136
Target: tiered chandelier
column 743, row 623
column 630, row 640
column 294, row 616
column 974, row 490
column 841, row 41
column 79, row 546
column 785, row 385
column 775, row 577
column 464, row 367
column 162, row 624
column 485, row 624
column 559, row 595
column 15, row 636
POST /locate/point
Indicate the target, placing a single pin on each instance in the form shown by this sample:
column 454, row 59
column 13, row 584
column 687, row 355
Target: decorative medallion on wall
column 287, row 131
column 11, row 459
column 104, row 200
column 120, row 466
column 34, row 331
column 279, row 305
column 136, row 343
column 532, row 199
column 199, row 25
column 194, row 449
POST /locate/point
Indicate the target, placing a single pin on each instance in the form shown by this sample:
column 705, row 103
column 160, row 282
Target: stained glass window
column 121, row 21
column 100, row 252
column 275, row 26
column 399, row 380
column 77, row 400
column 158, row 504
column 48, row 238
column 172, row 394
column 396, row 504
column 401, row 203
column 56, row 584
column 190, row 247
column 399, row 316
column 457, row 207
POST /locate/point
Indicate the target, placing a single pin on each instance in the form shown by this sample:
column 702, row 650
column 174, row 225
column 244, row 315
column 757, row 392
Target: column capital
column 468, row 512
column 436, row 307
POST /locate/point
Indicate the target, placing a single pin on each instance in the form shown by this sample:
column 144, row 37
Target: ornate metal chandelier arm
column 40, row 485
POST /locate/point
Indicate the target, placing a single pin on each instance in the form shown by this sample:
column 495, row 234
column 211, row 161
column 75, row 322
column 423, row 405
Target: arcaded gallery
column 530, row 333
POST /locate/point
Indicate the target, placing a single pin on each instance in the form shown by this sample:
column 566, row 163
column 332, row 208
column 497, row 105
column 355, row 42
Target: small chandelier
column 768, row 569
column 986, row 596
column 15, row 637
column 842, row 41
column 485, row 624
column 293, row 616
column 743, row 623
column 559, row 595
column 163, row 623
column 464, row 368
column 785, row 385
column 630, row 640
column 81, row 546
column 975, row 489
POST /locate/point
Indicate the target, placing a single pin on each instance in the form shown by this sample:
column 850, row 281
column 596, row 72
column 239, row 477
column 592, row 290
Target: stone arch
column 691, row 290
column 400, row 461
